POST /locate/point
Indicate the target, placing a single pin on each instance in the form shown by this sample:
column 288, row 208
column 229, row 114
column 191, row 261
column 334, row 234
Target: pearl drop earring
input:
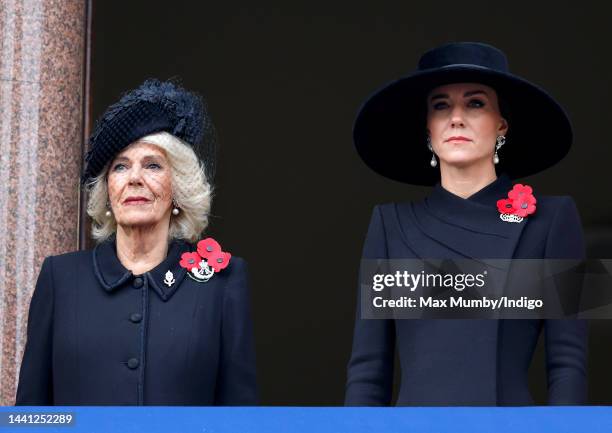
column 434, row 161
column 501, row 140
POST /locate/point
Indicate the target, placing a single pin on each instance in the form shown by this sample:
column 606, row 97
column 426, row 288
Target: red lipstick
column 457, row 138
column 136, row 200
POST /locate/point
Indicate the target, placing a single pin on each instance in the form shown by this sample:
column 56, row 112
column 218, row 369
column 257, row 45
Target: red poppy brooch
column 519, row 204
column 206, row 261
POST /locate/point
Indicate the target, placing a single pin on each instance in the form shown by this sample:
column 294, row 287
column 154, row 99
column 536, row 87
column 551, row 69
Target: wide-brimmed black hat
column 390, row 128
column 153, row 107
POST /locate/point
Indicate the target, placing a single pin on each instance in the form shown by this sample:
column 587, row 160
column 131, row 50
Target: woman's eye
column 154, row 166
column 476, row 103
column 119, row 167
column 440, row 105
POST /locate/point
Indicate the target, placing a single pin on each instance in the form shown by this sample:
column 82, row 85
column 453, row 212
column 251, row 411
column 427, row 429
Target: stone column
column 42, row 82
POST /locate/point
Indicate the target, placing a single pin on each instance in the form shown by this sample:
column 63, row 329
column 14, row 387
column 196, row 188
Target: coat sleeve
column 566, row 339
column 236, row 380
column 370, row 369
column 35, row 378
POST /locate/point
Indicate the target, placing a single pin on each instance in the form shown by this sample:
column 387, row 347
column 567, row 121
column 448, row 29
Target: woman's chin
column 463, row 162
column 138, row 220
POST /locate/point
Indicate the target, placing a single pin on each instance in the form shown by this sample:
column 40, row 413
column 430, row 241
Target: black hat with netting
column 153, row 107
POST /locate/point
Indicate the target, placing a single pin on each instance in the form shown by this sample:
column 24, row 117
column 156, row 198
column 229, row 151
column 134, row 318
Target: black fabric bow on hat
column 155, row 106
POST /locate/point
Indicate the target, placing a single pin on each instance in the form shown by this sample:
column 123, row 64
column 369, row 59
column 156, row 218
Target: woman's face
column 463, row 121
column 139, row 185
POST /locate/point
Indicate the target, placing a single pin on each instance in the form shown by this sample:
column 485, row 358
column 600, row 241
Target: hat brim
column 390, row 129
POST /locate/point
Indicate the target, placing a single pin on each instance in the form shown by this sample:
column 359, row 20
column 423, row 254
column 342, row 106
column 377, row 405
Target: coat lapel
column 112, row 274
column 157, row 275
column 107, row 267
column 462, row 228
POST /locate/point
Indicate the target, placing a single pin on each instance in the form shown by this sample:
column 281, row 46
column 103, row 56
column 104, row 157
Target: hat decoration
column 154, row 106
column 519, row 204
column 207, row 260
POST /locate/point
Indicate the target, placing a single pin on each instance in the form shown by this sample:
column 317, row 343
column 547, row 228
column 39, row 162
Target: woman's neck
column 140, row 249
column 465, row 181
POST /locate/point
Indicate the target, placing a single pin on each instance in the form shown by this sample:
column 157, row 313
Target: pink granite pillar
column 42, row 59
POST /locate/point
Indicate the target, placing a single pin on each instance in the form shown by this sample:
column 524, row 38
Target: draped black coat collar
column 469, row 228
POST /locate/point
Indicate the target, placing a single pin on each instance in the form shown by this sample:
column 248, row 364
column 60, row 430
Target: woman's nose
column 135, row 175
column 457, row 117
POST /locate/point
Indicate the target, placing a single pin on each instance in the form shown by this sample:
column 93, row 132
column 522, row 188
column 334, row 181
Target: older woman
column 445, row 125
column 151, row 316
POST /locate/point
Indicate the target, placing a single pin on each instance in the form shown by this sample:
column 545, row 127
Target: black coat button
column 133, row 363
column 137, row 283
column 135, row 317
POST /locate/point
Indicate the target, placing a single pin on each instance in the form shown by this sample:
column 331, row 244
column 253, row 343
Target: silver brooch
column 203, row 273
column 510, row 218
column 169, row 280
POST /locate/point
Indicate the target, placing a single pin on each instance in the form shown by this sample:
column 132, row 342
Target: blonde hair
column 191, row 192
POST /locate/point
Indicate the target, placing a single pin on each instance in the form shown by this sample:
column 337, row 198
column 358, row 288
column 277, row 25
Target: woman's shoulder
column 234, row 279
column 237, row 272
column 70, row 258
column 58, row 268
column 237, row 265
column 551, row 207
column 559, row 219
column 390, row 208
column 392, row 212
column 555, row 201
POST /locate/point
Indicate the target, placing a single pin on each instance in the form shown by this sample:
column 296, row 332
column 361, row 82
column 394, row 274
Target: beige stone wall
column 42, row 57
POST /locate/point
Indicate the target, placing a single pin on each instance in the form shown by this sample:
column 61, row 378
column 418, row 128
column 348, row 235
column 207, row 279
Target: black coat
column 99, row 335
column 468, row 362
